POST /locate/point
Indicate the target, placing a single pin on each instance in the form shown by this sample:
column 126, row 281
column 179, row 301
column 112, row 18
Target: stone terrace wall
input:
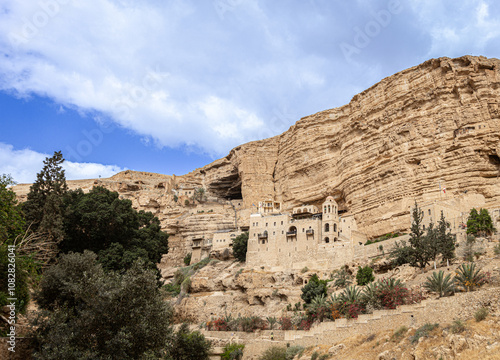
column 444, row 310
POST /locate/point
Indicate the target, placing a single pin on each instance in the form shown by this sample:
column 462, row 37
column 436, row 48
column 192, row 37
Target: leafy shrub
column 469, row 278
column 292, row 351
column 383, row 238
column 285, row 323
column 364, row 275
column 233, row 351
column 458, row 326
column 399, row 333
column 274, row 353
column 187, row 259
column 423, row 331
column 401, row 254
column 353, row 310
column 481, row 314
column 315, row 287
column 392, row 293
column 314, row 355
column 443, row 285
column 342, row 278
column 496, row 249
column 189, row 345
column 318, row 309
column 304, row 270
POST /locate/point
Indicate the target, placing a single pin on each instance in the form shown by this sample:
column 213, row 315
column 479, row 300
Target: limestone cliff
column 435, row 125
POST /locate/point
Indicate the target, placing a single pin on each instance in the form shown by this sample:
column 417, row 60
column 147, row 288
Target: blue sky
column 169, row 86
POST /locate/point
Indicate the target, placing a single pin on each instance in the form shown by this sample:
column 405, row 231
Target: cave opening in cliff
column 494, row 159
column 227, row 187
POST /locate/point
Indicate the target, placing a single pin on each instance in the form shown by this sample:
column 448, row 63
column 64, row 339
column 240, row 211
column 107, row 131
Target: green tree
column 401, row 254
column 422, row 247
column 44, row 205
column 240, row 245
column 189, row 345
column 102, row 222
column 480, row 223
column 446, row 241
column 11, row 219
column 88, row 313
column 315, row 287
column 11, row 229
column 364, row 275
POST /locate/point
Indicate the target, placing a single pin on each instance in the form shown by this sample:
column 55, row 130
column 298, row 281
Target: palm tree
column 468, row 277
column 351, row 294
column 271, row 320
column 443, row 285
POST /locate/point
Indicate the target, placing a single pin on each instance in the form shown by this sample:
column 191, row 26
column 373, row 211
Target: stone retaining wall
column 444, row 310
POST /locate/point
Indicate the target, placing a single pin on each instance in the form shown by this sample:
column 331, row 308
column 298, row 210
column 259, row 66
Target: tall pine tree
column 446, row 240
column 44, row 206
column 422, row 251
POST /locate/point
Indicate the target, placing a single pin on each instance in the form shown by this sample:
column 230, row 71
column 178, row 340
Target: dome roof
column 330, row 198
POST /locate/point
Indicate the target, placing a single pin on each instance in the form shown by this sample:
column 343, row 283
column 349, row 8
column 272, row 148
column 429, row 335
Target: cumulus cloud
column 24, row 164
column 458, row 28
column 211, row 75
column 153, row 68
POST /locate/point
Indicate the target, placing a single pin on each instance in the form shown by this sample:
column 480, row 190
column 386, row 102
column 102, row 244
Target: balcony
column 262, row 236
column 291, row 233
column 310, row 232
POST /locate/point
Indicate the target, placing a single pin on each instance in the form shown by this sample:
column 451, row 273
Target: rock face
column 435, row 125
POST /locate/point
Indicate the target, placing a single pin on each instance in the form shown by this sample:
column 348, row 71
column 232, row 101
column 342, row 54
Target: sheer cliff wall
column 430, row 127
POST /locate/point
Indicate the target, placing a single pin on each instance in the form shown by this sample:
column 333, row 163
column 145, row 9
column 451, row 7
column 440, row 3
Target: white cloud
column 457, row 28
column 24, row 164
column 154, row 68
column 211, row 75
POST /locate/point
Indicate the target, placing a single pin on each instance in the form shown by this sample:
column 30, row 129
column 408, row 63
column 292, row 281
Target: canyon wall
column 435, row 125
column 430, row 127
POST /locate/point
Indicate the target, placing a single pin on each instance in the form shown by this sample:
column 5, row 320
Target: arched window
column 329, row 209
column 335, row 240
column 327, row 240
column 324, row 209
column 327, row 227
column 334, row 227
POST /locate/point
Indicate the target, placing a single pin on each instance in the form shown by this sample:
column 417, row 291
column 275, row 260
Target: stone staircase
column 363, row 319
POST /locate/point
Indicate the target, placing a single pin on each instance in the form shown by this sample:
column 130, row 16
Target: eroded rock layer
column 434, row 126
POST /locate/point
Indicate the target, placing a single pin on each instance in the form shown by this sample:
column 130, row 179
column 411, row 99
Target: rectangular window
column 282, row 223
column 275, row 223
